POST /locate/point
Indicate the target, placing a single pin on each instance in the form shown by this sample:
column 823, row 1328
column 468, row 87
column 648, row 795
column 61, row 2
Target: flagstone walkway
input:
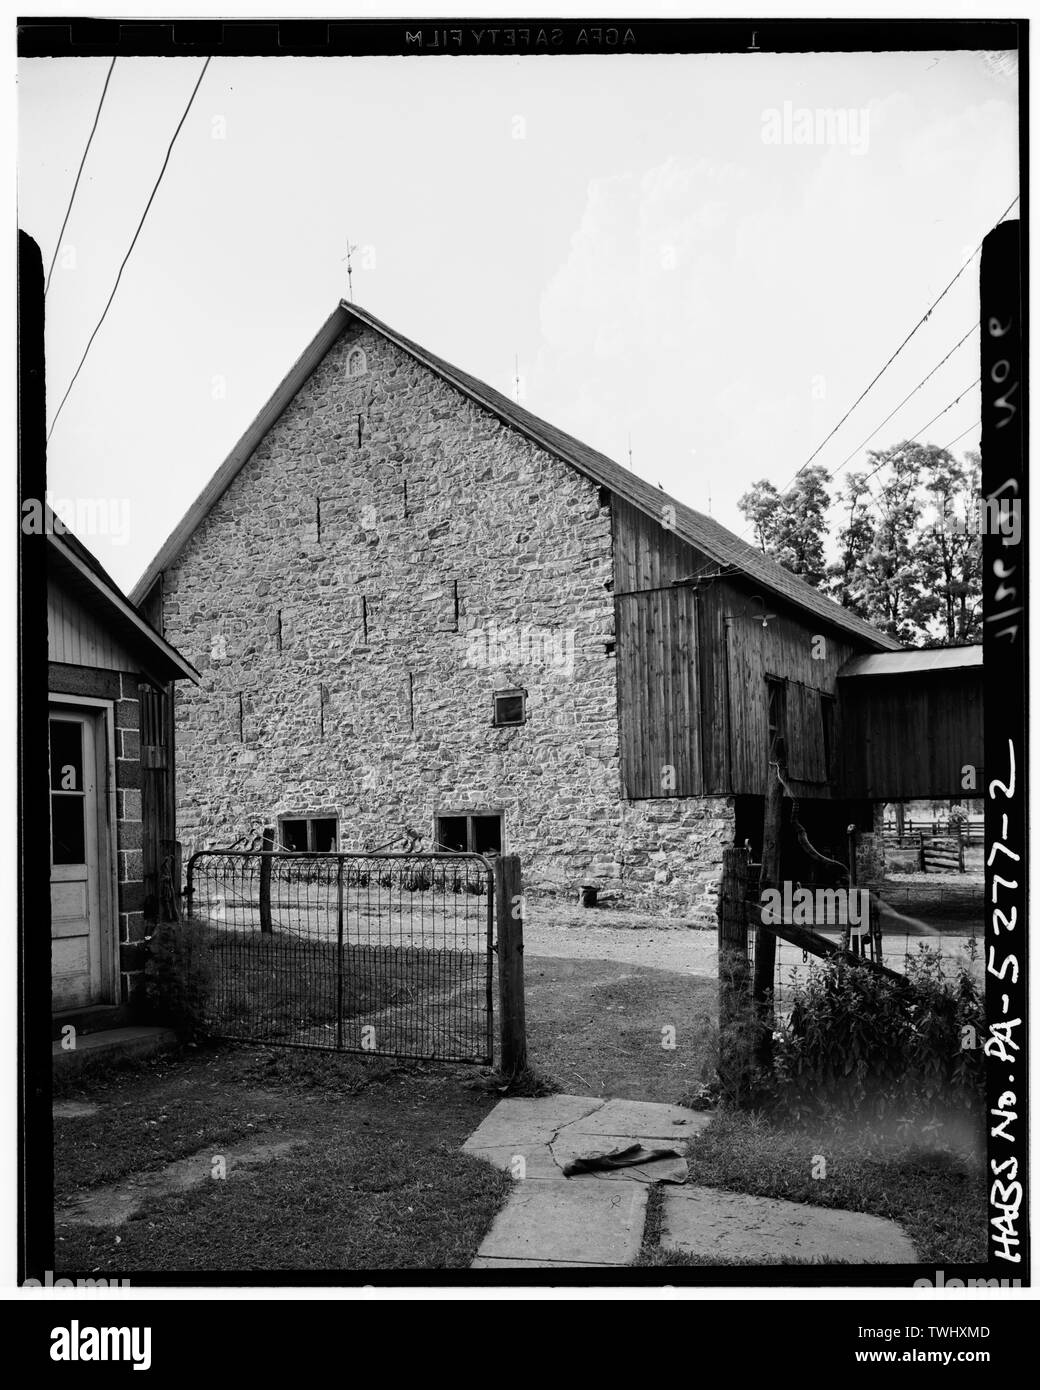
column 596, row 1219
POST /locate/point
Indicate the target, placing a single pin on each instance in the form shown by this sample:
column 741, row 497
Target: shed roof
column 69, row 561
column 703, row 532
column 913, row 661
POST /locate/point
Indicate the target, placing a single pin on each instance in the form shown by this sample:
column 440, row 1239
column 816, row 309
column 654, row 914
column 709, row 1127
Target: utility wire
column 916, row 439
column 924, row 318
column 903, row 402
column 961, row 436
column 133, row 243
column 79, row 171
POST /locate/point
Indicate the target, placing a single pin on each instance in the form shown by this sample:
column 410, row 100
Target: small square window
column 318, row 834
column 510, row 707
column 478, row 832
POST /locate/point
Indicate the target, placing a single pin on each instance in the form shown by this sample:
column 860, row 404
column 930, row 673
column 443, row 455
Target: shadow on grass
column 938, row 1196
column 377, row 1181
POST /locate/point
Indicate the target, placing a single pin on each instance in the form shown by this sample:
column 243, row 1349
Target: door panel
column 659, row 693
column 76, row 918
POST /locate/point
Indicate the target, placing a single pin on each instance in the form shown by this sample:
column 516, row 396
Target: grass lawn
column 938, row 1198
column 375, row 1182
column 285, row 987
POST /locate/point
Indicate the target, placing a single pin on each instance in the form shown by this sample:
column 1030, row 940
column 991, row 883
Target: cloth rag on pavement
column 632, row 1156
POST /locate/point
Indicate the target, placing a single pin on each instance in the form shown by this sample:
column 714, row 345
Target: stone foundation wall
column 870, row 851
column 389, row 557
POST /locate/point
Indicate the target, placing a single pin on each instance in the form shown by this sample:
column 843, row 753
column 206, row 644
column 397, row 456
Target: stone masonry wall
column 352, row 607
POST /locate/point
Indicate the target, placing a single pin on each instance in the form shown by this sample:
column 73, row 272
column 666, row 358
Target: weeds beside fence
column 830, row 1030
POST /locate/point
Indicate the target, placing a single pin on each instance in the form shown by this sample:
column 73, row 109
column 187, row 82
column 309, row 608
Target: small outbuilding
column 912, row 724
column 113, row 852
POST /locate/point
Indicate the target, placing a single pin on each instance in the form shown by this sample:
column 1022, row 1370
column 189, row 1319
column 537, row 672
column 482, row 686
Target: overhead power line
column 79, row 171
column 884, row 422
column 922, row 320
column 962, row 434
column 133, row 243
column 916, row 439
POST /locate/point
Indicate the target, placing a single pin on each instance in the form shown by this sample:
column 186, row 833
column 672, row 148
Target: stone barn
column 418, row 610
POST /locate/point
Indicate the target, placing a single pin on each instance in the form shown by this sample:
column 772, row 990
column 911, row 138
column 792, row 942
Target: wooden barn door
column 78, row 925
column 659, row 693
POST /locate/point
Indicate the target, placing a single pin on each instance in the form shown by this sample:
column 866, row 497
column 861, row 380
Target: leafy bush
column 179, row 976
column 859, row 1047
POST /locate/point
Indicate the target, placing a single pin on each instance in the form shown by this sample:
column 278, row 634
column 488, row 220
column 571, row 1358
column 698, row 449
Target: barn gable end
column 390, row 547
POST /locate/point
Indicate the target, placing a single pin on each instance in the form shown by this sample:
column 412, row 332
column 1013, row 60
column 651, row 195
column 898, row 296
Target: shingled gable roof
column 701, row 531
column 81, row 571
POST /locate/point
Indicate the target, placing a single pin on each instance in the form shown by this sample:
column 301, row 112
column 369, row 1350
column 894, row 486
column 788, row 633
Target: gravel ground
column 965, row 880
column 564, row 933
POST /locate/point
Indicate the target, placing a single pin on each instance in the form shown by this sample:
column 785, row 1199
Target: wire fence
column 946, row 948
column 380, row 953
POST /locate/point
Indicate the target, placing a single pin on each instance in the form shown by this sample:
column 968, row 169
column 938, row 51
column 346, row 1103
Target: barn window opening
column 357, row 363
column 314, row 834
column 827, row 707
column 472, row 833
column 510, row 708
column 777, row 698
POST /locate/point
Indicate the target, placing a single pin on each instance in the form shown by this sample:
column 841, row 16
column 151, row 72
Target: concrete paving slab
column 568, row 1146
column 487, row 1262
column 728, row 1225
column 527, row 1122
column 536, row 1159
column 113, row 1043
column 586, row 1222
column 644, row 1120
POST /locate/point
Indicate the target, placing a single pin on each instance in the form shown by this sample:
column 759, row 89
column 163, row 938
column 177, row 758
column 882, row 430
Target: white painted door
column 76, row 922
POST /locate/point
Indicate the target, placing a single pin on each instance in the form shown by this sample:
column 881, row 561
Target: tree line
column 907, row 540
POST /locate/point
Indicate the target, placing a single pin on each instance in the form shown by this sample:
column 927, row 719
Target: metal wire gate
column 381, row 953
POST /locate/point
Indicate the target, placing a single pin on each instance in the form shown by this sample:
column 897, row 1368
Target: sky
column 683, row 260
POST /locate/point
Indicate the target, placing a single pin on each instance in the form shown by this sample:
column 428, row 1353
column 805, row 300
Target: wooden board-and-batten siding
column 75, row 637
column 911, row 736
column 658, row 693
column 693, row 667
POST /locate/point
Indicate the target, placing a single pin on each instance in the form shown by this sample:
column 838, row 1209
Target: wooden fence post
column 765, row 941
column 734, row 975
column 512, row 1027
column 267, row 846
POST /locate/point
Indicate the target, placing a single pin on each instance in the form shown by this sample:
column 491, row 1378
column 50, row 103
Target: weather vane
column 350, row 281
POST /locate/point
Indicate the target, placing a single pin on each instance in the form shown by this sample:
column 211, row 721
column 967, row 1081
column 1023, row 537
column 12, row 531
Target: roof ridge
column 702, row 532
